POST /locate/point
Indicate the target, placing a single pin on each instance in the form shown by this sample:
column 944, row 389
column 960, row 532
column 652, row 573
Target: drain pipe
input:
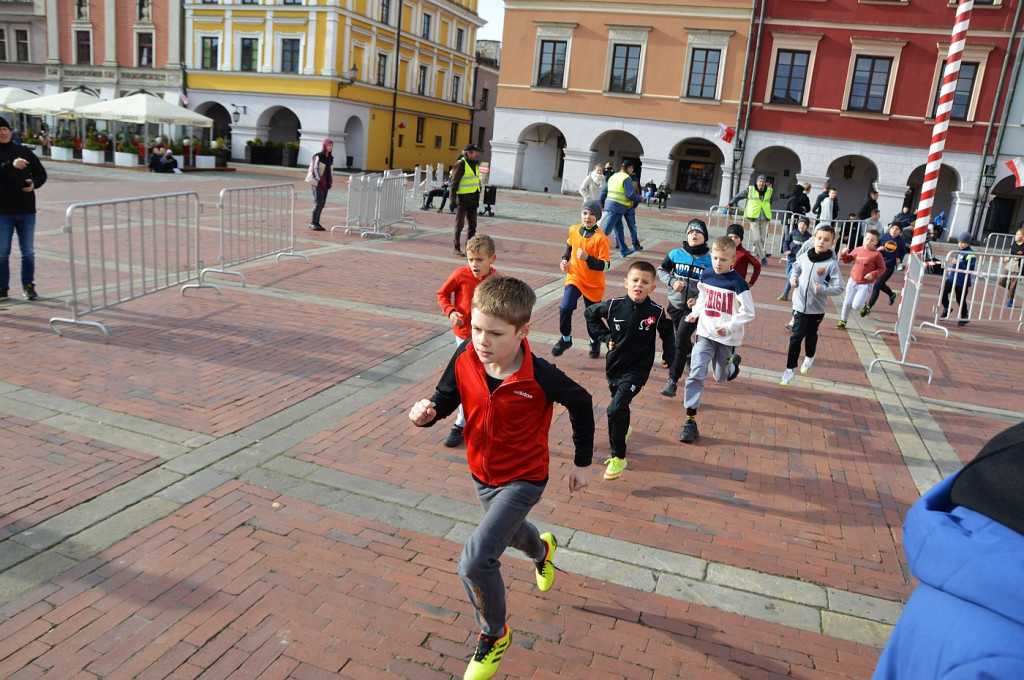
column 975, row 220
column 394, row 92
column 742, row 133
column 739, row 107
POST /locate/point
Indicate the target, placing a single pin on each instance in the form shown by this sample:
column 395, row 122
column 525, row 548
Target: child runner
column 743, row 256
column 868, row 265
column 586, row 258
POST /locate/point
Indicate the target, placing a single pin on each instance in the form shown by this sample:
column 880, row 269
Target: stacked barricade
column 388, row 191
column 998, row 243
column 994, row 279
column 255, row 222
column 123, row 249
column 361, row 202
column 913, row 283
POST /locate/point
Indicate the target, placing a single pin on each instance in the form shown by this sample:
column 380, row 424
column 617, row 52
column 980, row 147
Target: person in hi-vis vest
column 465, row 194
column 619, row 194
column 756, row 212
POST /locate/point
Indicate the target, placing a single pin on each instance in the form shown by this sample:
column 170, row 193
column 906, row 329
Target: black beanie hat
column 697, row 225
column 593, row 206
column 4, row 123
column 993, row 483
column 735, row 229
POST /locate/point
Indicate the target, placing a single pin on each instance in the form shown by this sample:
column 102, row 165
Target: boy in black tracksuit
column 628, row 324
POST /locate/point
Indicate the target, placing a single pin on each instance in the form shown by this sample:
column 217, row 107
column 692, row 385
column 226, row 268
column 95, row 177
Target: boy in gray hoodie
column 815, row 276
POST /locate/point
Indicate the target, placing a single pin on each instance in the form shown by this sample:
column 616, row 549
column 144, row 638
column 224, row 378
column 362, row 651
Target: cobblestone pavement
column 231, row 489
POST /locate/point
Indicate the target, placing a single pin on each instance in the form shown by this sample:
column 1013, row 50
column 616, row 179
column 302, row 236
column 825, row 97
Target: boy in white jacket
column 723, row 309
column 815, row 276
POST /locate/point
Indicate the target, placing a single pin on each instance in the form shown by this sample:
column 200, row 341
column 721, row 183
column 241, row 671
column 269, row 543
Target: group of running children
column 504, row 393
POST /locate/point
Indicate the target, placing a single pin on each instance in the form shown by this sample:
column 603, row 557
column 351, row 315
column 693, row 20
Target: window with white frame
column 20, row 45
column 453, row 137
column 421, row 123
column 456, row 87
column 144, row 49
column 291, row 49
column 385, row 11
column 210, row 56
column 626, row 50
column 460, row 39
column 706, row 52
column 552, row 54
column 249, row 54
column 871, row 76
column 425, row 32
column 792, row 68
column 83, row 47
column 421, row 81
column 3, row 44
column 382, row 69
column 974, row 61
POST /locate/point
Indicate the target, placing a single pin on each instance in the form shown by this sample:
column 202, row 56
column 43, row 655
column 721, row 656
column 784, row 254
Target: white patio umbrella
column 62, row 105
column 144, row 108
column 10, row 95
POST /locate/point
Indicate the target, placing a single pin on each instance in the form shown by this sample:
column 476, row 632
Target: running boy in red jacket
column 507, row 394
column 743, row 256
column 455, row 297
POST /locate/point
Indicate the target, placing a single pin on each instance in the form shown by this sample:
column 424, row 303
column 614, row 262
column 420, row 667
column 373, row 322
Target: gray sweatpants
column 504, row 524
column 705, row 351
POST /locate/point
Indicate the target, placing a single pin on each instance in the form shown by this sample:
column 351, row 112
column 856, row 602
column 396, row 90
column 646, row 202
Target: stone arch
column 354, row 155
column 542, row 159
column 695, row 173
column 221, row 119
column 281, row 124
column 780, row 164
column 947, row 190
column 616, row 146
column 853, row 176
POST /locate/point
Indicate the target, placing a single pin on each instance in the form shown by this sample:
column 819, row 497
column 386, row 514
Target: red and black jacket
column 506, row 430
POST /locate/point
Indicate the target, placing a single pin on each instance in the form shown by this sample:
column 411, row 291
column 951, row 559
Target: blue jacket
column 965, row 260
column 966, row 618
column 681, row 265
column 892, row 249
column 793, row 241
column 618, row 208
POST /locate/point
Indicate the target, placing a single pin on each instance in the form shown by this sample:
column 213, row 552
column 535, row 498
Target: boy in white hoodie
column 815, row 276
column 724, row 307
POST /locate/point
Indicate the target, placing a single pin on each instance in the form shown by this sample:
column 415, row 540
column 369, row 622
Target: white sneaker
column 808, row 362
column 786, row 377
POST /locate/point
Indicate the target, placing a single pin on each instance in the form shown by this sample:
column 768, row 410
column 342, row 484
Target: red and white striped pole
column 942, row 113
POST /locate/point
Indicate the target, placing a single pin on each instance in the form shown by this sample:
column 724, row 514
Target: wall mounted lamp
column 236, row 115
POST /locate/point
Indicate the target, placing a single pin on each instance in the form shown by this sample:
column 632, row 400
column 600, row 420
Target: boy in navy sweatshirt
column 629, row 324
column 723, row 309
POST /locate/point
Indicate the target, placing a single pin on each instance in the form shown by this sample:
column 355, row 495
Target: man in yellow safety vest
column 620, row 194
column 757, row 211
column 465, row 194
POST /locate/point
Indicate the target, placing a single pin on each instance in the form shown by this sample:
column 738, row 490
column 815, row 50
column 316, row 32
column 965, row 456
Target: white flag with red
column 725, row 133
column 1017, row 168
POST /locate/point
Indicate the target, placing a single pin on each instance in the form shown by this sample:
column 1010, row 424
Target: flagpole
column 942, row 115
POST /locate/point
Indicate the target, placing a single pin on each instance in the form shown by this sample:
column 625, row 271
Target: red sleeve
column 757, row 268
column 444, row 295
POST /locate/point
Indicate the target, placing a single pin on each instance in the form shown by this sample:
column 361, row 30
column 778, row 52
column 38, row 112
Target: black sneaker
column 892, row 297
column 735, row 360
column 560, row 347
column 454, row 437
column 30, row 291
column 690, row 432
column 865, row 310
column 637, row 247
column 962, row 322
column 316, row 227
column 595, row 349
column 3, row 293
column 669, row 390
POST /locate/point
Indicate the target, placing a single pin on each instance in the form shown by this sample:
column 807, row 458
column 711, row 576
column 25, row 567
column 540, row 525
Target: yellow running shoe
column 545, row 568
column 615, row 467
column 487, row 656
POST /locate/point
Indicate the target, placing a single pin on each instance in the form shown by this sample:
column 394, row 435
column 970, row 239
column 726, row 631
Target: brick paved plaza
column 230, row 488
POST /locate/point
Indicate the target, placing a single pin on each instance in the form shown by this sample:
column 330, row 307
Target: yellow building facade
column 389, row 81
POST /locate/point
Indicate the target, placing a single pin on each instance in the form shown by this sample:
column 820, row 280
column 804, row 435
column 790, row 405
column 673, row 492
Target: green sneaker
column 841, row 324
column 487, row 656
column 545, row 568
column 614, row 469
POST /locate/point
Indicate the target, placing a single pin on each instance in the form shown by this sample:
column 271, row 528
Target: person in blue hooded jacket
column 958, row 280
column 964, row 540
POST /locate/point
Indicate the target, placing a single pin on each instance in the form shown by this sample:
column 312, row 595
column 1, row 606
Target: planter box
column 291, row 157
column 126, row 159
column 259, row 155
column 61, row 153
column 92, row 157
column 206, row 162
column 34, row 148
column 222, row 156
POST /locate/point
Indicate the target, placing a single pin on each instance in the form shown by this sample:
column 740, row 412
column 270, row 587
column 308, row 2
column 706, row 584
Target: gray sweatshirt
column 807, row 273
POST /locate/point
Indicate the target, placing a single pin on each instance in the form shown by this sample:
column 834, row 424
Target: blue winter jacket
column 966, row 618
column 965, row 261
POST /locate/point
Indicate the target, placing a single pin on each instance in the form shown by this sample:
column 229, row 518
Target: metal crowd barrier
column 255, row 222
column 904, row 327
column 123, row 249
column 986, row 298
column 361, row 202
column 999, row 243
column 388, row 206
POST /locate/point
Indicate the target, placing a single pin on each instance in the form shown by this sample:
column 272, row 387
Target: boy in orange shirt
column 587, row 257
column 455, row 298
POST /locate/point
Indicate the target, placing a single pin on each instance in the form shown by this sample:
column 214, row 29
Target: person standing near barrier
column 619, row 195
column 958, row 280
column 465, row 194
column 1014, row 264
column 319, row 176
column 21, row 174
column 893, row 249
column 800, row 201
column 757, row 211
